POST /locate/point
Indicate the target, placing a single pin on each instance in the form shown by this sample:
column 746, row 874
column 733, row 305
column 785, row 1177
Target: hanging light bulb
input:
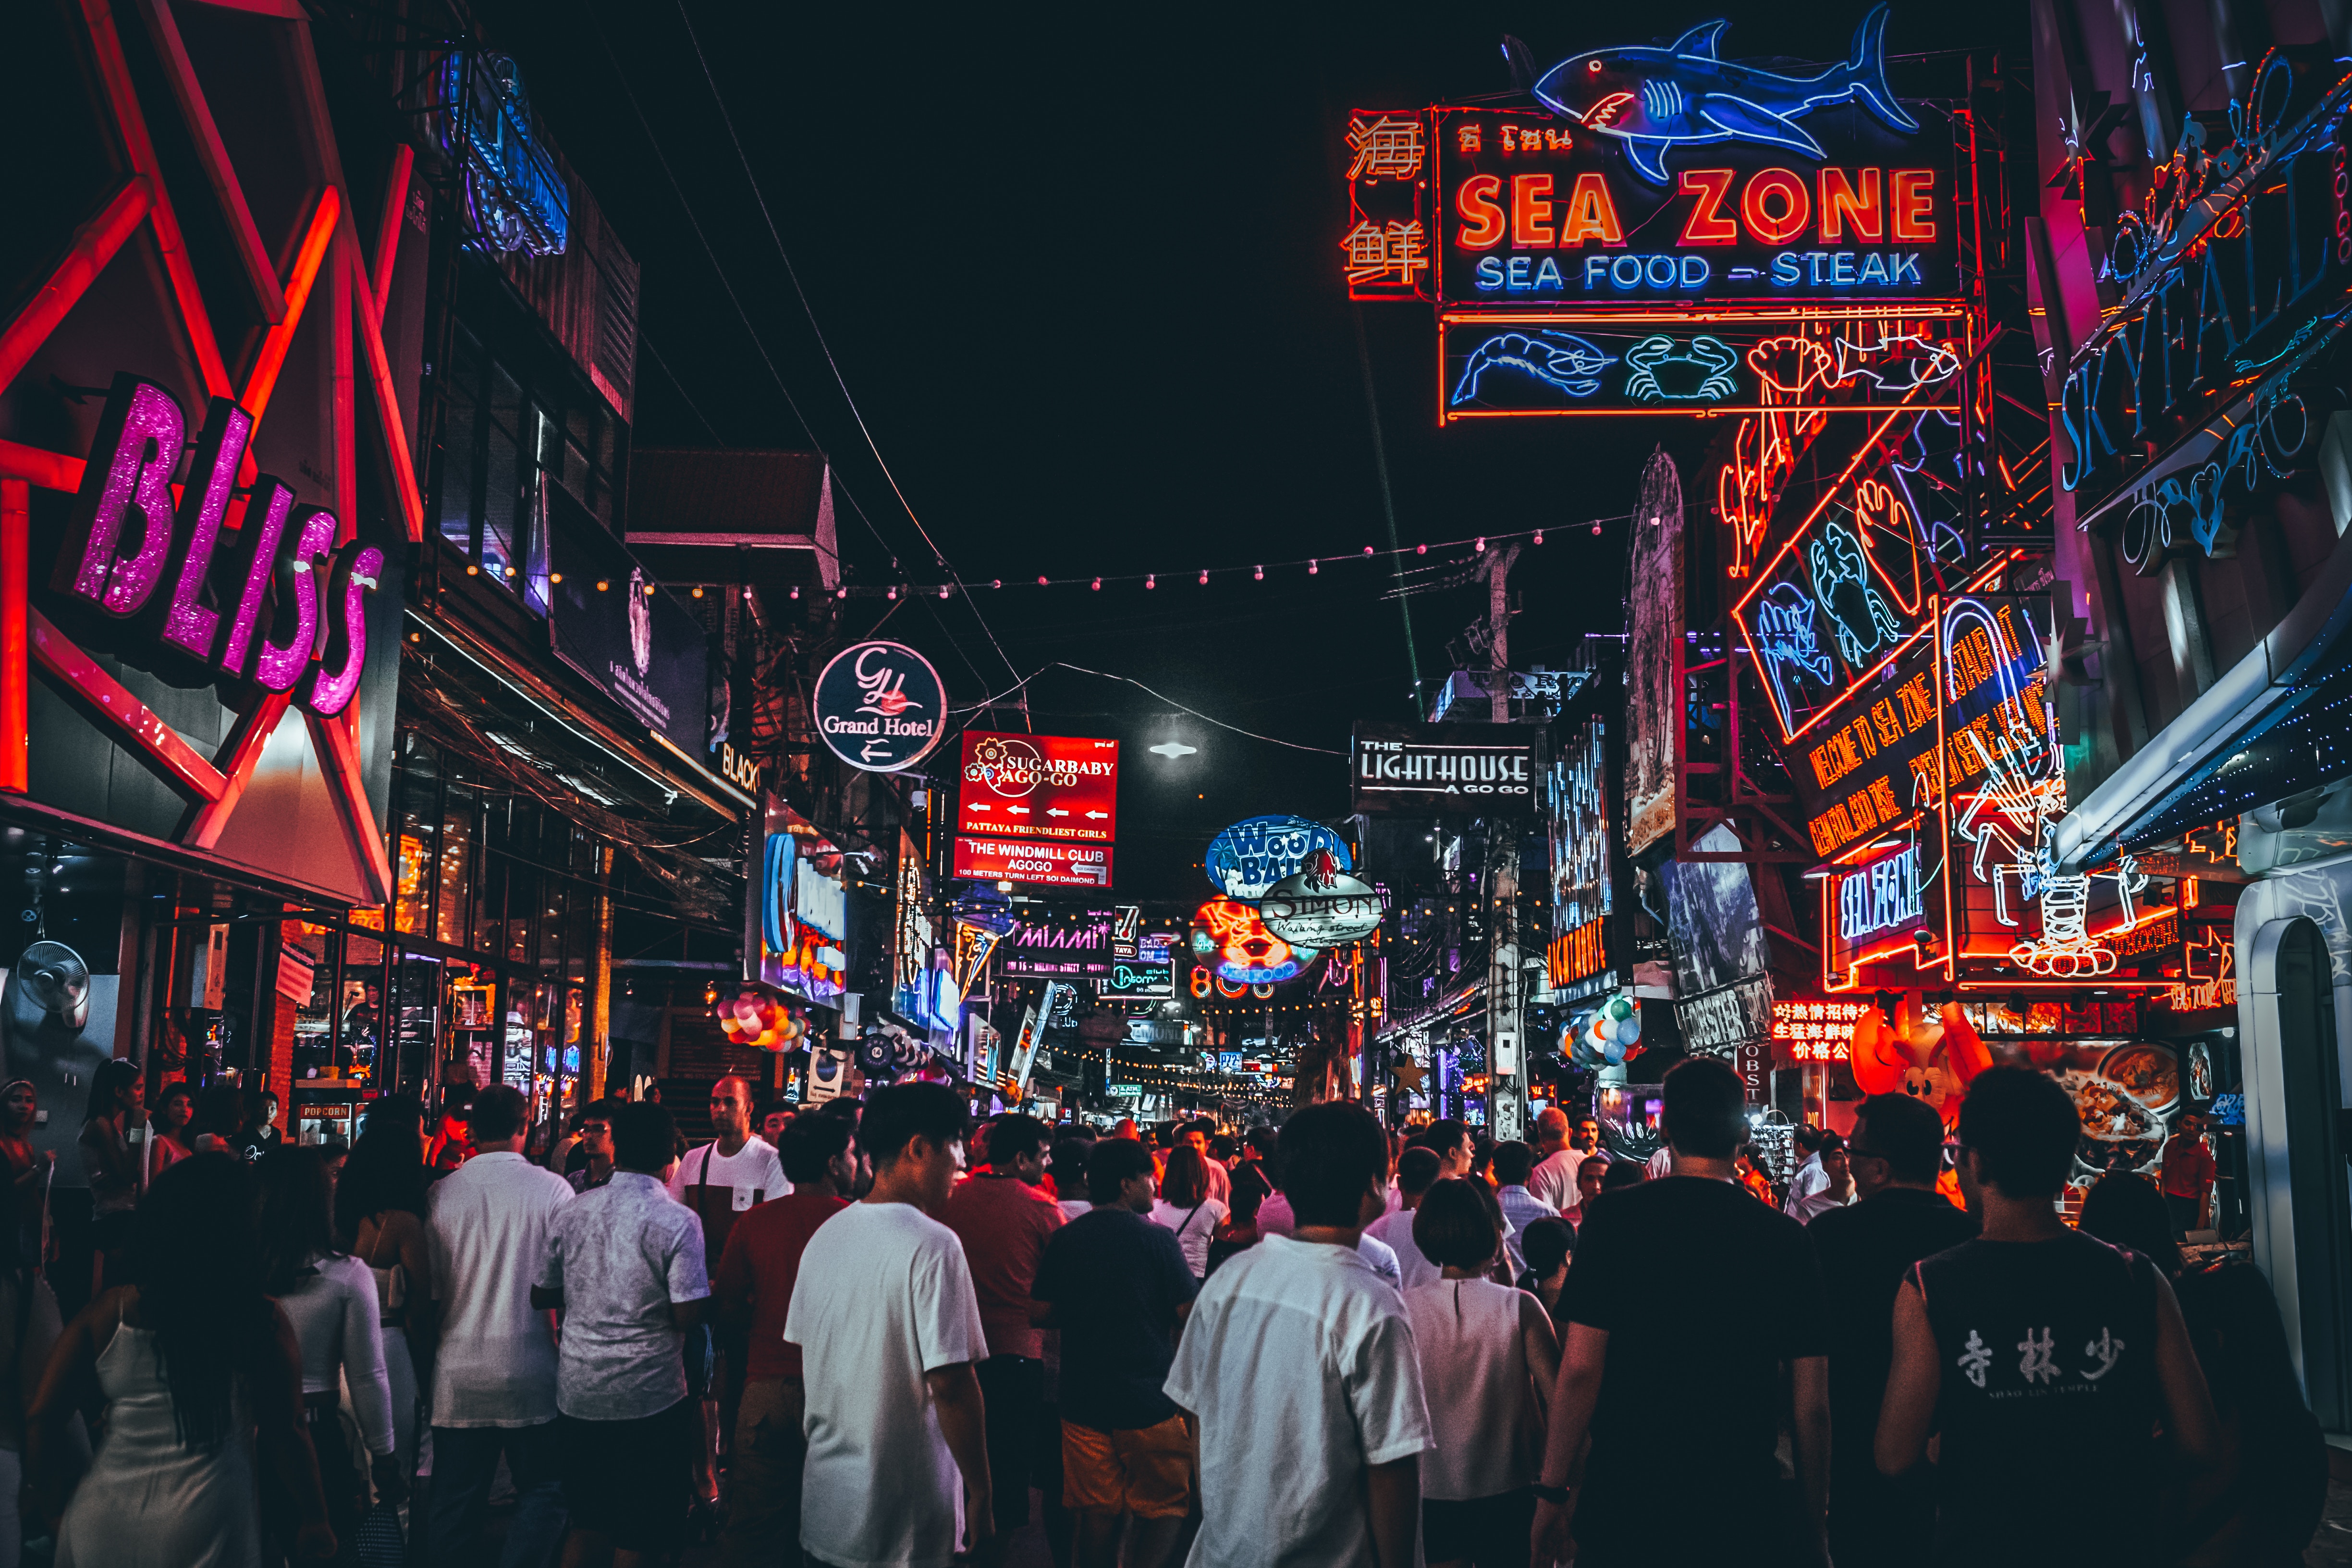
column 1204, row 579
column 944, row 590
column 796, row 591
column 1596, row 529
column 1420, row 550
column 1538, row 536
column 1150, row 580
column 1368, row 549
column 1482, row 544
column 841, row 592
column 892, row 593
column 1313, row 568
column 1259, row 573
column 1041, row 582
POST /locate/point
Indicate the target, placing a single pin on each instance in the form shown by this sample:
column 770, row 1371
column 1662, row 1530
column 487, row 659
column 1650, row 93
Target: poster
column 1654, row 703
column 2128, row 1093
column 59, row 1019
column 1721, row 995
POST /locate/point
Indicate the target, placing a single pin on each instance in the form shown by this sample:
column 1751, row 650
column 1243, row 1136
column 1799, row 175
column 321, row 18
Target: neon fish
column 1682, row 95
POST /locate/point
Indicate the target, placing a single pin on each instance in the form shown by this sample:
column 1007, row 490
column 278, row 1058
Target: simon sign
column 880, row 706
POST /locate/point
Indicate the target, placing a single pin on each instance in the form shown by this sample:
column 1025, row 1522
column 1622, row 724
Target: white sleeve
column 364, row 1370
column 947, row 1329
column 1384, row 1390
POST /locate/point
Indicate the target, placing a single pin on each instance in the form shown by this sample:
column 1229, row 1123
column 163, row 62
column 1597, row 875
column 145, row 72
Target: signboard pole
column 1506, row 1083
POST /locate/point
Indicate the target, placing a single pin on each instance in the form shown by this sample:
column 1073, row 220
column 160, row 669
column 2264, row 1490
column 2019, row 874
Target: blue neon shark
column 1682, row 95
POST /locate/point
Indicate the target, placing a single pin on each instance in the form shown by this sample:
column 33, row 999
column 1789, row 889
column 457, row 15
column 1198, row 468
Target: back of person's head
column 2127, row 1211
column 1262, row 1141
column 298, row 1222
column 1706, row 1107
column 1624, row 1174
column 1068, row 1165
column 1514, row 1162
column 1809, row 1137
column 220, row 1110
column 902, row 1113
column 1221, row 1149
column 1416, row 1171
column 2023, row 1128
column 1551, row 1125
column 1443, row 1136
column 645, row 1137
column 196, row 1255
column 843, row 1109
column 1185, row 1182
column 1333, row 1155
column 1251, row 1189
column 386, row 1167
column 808, row 1145
column 1546, row 1244
column 1453, row 1228
column 1017, row 1137
column 1114, row 1162
column 496, row 1113
column 1905, row 1133
column 1125, row 1127
column 105, row 1084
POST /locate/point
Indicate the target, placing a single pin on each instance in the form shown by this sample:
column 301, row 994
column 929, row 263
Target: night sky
column 1081, row 276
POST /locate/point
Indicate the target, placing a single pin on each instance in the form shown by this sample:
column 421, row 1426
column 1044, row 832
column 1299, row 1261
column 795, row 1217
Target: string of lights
column 1201, row 576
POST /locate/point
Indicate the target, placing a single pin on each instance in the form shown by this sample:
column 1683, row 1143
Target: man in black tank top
column 2044, row 1360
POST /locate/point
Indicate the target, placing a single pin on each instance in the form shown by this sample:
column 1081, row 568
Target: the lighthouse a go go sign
column 1039, row 786
column 880, row 706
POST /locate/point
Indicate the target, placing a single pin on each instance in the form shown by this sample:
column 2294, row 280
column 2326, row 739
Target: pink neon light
column 141, row 430
column 276, row 666
column 264, row 525
column 190, row 625
column 333, row 685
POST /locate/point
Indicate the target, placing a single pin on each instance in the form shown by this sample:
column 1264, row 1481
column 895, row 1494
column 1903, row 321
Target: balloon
column 1614, row 1052
column 1620, row 1008
column 1630, row 1030
column 1604, row 1027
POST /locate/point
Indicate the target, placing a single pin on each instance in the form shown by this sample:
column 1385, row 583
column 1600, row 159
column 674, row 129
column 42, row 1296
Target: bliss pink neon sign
column 281, row 607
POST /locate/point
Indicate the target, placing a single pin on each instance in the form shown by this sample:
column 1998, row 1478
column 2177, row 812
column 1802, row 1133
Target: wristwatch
column 1550, row 1494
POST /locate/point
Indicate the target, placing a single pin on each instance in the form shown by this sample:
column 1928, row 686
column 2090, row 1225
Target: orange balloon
column 1877, row 1055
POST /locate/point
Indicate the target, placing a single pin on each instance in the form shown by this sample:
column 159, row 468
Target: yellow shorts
column 1147, row 1473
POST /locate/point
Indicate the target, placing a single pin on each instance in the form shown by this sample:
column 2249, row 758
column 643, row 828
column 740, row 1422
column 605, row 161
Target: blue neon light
column 514, row 193
column 1864, row 620
column 1556, row 359
column 1663, row 372
column 1839, row 269
column 1786, row 634
column 1882, row 896
column 776, row 893
column 1653, row 100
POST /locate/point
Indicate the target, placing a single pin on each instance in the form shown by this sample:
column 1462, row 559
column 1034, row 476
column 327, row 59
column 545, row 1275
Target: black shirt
column 2048, row 1402
column 1866, row 1249
column 1704, row 1293
column 1115, row 1280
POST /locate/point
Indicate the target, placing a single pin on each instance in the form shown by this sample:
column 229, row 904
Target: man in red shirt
column 2188, row 1174
column 754, row 1287
column 1004, row 1220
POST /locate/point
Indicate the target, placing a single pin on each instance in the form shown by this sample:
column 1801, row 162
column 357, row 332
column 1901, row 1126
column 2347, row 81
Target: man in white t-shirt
column 1553, row 1181
column 1299, row 1362
column 890, row 1335
column 494, row 1374
column 1810, row 1178
column 1417, row 1172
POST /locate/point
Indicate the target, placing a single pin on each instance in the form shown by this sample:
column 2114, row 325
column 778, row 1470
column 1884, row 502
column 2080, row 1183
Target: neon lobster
column 2012, row 815
column 1765, row 449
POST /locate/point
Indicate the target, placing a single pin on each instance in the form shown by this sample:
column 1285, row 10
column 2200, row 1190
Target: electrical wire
column 808, row 311
column 1130, row 681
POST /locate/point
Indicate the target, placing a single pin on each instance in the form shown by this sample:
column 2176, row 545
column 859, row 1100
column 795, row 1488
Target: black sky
column 1081, row 273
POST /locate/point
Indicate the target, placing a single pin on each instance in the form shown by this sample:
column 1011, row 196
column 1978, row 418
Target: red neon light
column 263, row 378
column 1476, row 201
column 1708, row 223
column 388, row 229
column 387, row 408
column 1530, row 211
column 336, row 741
column 1841, row 203
column 1591, row 215
column 15, row 667
column 49, row 470
column 1913, row 199
column 79, row 679
column 1796, row 202
column 93, row 245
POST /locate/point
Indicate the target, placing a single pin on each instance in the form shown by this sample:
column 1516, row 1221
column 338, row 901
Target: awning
column 2270, row 727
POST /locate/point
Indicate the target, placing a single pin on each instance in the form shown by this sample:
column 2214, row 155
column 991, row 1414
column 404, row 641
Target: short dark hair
column 1904, row 1131
column 1809, row 1137
column 902, row 1113
column 2024, row 1127
column 808, row 1145
column 597, row 1111
column 1250, row 1190
column 1013, row 1137
column 1114, row 1162
column 1546, row 1244
column 645, row 1137
column 496, row 1113
column 2126, row 1210
column 1705, row 1107
column 1452, row 1228
column 1416, row 1171
column 1514, row 1162
column 1332, row 1156
column 1443, row 1136
column 1624, row 1174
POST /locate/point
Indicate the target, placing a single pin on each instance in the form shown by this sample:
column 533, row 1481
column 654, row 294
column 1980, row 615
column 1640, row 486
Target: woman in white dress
column 1185, row 1207
column 195, row 1367
column 380, row 1212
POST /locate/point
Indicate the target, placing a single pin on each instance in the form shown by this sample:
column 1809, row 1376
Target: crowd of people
column 873, row 1332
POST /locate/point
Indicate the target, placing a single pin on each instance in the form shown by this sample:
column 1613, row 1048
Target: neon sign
column 292, row 615
column 1231, row 934
column 1653, row 100
column 1647, row 361
column 1250, row 857
column 1816, row 1031
column 1883, row 896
